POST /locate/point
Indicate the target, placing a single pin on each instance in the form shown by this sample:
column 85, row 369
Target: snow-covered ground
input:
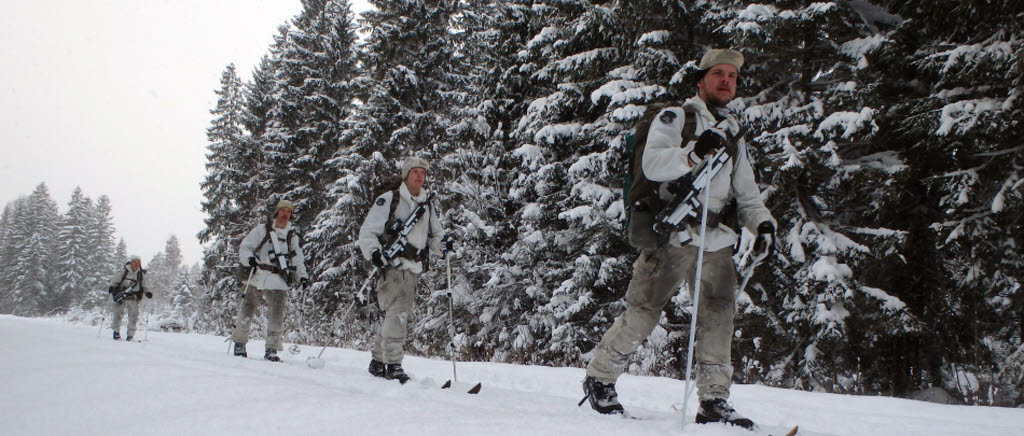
column 61, row 379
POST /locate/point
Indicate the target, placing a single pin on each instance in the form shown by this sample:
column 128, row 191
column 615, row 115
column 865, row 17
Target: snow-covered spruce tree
column 103, row 263
column 314, row 96
column 232, row 188
column 562, row 193
column 226, row 214
column 34, row 232
column 316, row 64
column 490, row 98
column 406, row 59
column 8, row 255
column 952, row 81
column 74, row 251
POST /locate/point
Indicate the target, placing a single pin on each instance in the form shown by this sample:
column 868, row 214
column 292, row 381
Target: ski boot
column 240, row 350
column 128, row 338
column 602, row 396
column 117, row 335
column 718, row 410
column 376, row 368
column 394, row 371
column 271, row 355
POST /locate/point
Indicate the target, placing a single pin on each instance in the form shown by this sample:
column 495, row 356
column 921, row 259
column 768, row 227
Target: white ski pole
column 690, row 384
column 103, row 320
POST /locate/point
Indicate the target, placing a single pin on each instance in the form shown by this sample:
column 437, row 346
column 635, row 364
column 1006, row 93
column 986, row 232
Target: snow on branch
column 849, row 122
column 889, row 302
column 963, row 115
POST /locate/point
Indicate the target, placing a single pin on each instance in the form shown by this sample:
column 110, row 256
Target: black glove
column 449, row 245
column 377, row 259
column 149, row 294
column 252, row 262
column 304, row 283
column 111, row 290
column 709, row 141
column 765, row 239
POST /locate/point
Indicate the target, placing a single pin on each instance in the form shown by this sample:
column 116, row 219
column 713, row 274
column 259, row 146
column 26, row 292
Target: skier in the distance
column 658, row 272
column 274, row 251
column 128, row 281
column 396, row 288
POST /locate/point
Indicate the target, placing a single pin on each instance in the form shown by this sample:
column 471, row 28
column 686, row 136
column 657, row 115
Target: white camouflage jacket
column 376, row 219
column 129, row 278
column 665, row 159
column 268, row 280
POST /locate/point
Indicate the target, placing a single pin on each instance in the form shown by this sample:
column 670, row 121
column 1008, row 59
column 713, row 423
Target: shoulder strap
column 124, row 274
column 389, row 223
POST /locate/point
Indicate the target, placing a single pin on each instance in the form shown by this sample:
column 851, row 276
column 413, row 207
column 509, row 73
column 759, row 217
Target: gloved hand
column 710, row 141
column 304, row 283
column 765, row 242
column 449, row 245
column 252, row 262
column 377, row 259
column 111, row 290
column 149, row 294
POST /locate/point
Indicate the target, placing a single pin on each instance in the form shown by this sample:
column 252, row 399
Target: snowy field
column 61, row 379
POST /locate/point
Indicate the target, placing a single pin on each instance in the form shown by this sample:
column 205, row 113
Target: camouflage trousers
column 130, row 303
column 275, row 316
column 657, row 275
column 396, row 295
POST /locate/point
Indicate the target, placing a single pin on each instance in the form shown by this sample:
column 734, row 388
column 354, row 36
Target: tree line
column 61, row 264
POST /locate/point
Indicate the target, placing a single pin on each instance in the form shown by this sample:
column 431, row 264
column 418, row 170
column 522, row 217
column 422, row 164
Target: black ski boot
column 602, row 396
column 271, row 355
column 240, row 350
column 117, row 335
column 718, row 410
column 394, row 371
column 128, row 338
column 376, row 368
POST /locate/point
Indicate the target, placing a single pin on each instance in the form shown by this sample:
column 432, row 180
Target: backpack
column 640, row 194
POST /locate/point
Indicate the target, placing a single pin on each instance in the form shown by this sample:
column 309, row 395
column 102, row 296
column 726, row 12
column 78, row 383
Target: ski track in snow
column 61, row 379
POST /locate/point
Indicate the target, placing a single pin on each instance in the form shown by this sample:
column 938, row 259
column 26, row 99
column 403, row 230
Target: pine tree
column 75, row 252
column 103, row 263
column 35, row 238
column 8, row 254
column 950, row 83
column 407, row 59
column 311, row 89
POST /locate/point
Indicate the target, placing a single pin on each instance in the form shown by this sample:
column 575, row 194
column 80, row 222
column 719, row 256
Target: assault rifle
column 401, row 231
column 687, row 190
column 120, row 296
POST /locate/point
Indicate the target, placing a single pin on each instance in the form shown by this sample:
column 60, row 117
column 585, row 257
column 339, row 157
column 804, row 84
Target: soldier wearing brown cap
column 671, row 152
column 274, row 252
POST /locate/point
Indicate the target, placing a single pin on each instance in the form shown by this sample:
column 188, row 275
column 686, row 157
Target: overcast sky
column 114, row 96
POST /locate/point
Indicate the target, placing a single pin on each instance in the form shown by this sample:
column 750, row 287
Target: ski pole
column 145, row 335
column 359, row 294
column 690, row 385
column 103, row 320
column 451, row 316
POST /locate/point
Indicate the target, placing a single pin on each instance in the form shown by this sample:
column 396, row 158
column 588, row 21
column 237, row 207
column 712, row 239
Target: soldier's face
column 136, row 264
column 718, row 87
column 284, row 214
column 415, row 179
